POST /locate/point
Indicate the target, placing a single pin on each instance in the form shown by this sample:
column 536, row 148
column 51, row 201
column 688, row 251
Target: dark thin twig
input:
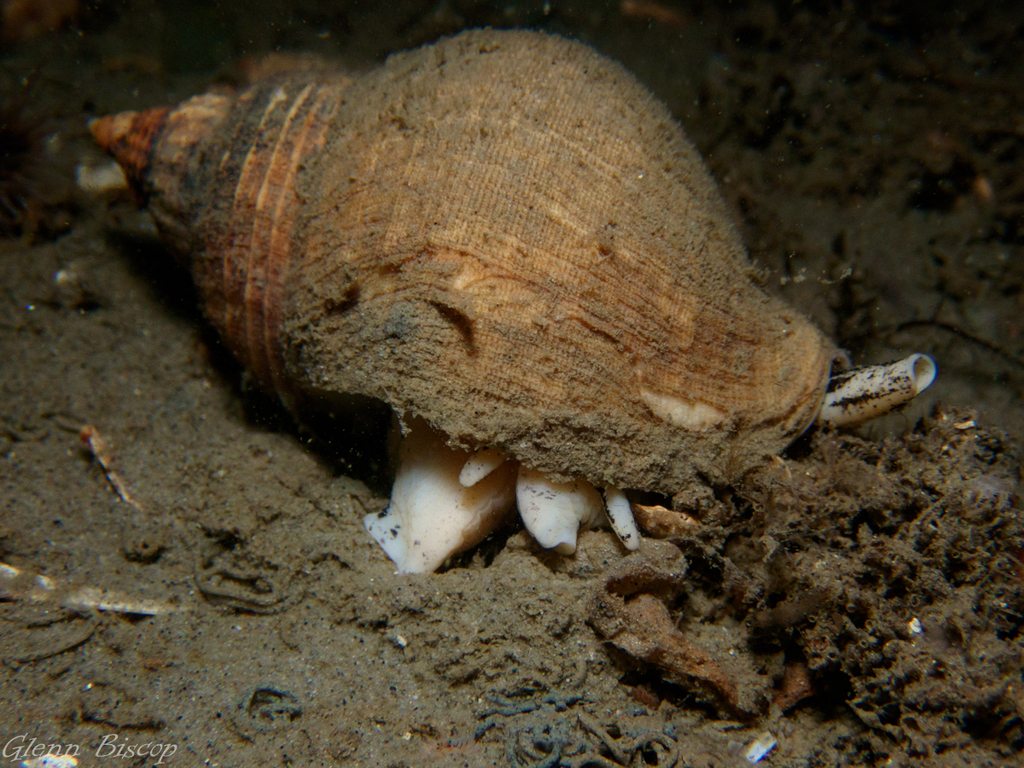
column 965, row 335
column 996, row 350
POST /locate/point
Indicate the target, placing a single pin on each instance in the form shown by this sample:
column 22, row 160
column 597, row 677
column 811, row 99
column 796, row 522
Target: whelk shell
column 503, row 236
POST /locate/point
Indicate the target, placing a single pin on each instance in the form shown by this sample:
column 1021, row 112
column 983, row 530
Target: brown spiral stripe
column 256, row 247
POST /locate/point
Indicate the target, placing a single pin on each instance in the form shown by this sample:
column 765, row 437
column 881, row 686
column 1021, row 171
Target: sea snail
column 509, row 240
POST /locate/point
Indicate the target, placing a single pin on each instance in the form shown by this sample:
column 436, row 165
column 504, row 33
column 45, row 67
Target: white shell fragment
column 555, row 512
column 480, row 465
column 756, row 750
column 100, row 179
column 432, row 515
column 620, row 514
column 858, row 395
column 50, row 761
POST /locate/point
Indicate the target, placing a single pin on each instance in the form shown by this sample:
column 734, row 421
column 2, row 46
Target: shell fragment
column 864, row 393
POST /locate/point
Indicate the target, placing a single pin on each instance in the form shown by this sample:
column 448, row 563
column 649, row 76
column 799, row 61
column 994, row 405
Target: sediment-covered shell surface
column 505, row 234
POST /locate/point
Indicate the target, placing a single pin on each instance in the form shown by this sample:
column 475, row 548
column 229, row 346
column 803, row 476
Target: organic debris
column 19, row 584
column 628, row 609
column 104, row 454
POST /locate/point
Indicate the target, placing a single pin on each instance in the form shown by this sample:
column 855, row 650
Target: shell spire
column 129, row 138
column 218, row 174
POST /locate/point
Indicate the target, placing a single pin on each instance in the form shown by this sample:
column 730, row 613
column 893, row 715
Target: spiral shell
column 508, row 240
column 503, row 233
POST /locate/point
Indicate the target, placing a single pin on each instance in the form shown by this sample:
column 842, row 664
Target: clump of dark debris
column 36, row 194
column 883, row 579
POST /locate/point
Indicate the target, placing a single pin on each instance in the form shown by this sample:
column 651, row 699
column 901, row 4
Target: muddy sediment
column 860, row 600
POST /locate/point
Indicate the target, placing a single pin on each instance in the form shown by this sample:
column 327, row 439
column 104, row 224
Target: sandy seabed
column 859, row 602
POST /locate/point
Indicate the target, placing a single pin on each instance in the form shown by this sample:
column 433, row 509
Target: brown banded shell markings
column 265, row 208
column 503, row 234
column 218, row 174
